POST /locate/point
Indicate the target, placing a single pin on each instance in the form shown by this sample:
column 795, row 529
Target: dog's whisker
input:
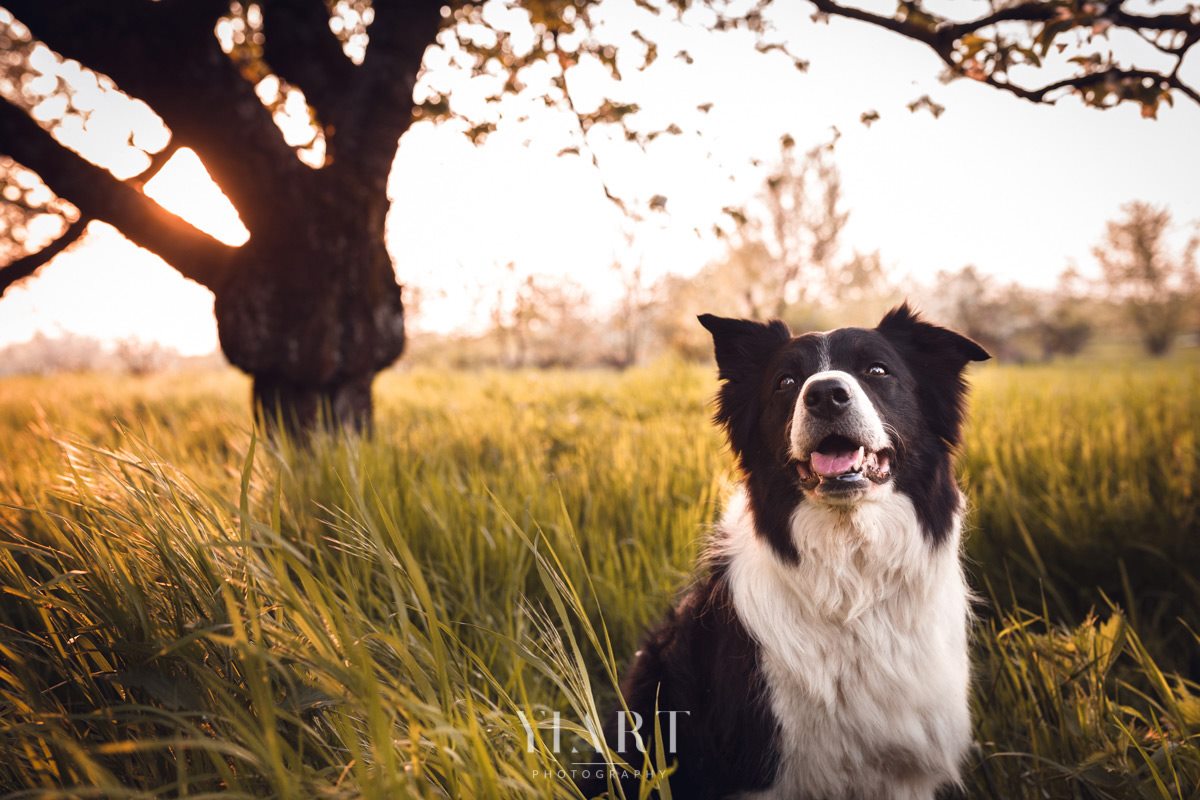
column 897, row 438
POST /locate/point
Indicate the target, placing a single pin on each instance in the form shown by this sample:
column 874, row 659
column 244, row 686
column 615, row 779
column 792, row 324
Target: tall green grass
column 187, row 610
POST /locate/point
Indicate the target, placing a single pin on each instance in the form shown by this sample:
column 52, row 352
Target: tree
column 782, row 251
column 631, row 320
column 543, row 322
column 1007, row 319
column 309, row 306
column 805, row 221
column 968, row 301
column 138, row 357
column 1154, row 286
column 1064, row 326
column 1014, row 322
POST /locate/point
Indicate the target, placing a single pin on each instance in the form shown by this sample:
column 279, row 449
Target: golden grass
column 187, row 610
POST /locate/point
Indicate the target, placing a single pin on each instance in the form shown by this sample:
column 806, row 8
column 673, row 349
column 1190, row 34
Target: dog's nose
column 827, row 398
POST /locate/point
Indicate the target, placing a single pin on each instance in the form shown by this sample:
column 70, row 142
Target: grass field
column 185, row 610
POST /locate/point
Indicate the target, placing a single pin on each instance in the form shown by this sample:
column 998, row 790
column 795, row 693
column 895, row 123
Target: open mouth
column 839, row 464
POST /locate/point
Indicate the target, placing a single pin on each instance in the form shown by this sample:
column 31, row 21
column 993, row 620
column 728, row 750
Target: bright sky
column 1018, row 190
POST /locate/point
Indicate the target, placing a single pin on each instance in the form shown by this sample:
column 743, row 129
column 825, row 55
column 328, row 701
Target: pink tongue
column 829, row 464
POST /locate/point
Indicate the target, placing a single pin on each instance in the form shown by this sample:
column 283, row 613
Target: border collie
column 823, row 654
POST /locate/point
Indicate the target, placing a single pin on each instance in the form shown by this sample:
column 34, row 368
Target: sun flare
column 184, row 187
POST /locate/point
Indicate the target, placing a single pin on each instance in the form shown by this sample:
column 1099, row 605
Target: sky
column 1018, row 190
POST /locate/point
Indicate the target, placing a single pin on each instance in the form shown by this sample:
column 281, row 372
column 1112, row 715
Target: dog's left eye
column 786, row 382
column 877, row 369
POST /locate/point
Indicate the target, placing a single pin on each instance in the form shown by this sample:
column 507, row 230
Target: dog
column 823, row 653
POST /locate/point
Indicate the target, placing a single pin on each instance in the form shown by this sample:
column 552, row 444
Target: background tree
column 1065, row 326
column 803, row 225
column 138, row 357
column 1015, row 322
column 309, row 306
column 969, row 301
column 784, row 258
column 543, row 323
column 1153, row 285
column 632, row 318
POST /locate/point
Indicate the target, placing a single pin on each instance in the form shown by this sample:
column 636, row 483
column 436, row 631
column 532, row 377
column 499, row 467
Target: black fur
column 934, row 360
column 746, row 352
column 921, row 399
column 701, row 659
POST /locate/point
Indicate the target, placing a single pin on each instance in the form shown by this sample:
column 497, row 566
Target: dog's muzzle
column 838, row 441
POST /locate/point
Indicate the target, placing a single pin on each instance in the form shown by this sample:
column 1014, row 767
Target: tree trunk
column 298, row 408
column 312, row 310
column 1157, row 343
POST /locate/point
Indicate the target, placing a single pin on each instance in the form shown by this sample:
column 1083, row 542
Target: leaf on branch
column 912, row 13
column 737, row 214
column 869, row 118
column 926, row 102
column 435, row 108
column 973, row 70
column 478, row 133
column 651, row 48
column 607, row 55
column 971, row 44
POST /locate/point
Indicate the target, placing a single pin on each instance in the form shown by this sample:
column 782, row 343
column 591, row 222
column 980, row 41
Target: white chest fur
column 864, row 646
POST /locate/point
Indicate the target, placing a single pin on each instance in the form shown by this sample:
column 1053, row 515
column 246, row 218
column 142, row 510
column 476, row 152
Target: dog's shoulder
column 702, row 664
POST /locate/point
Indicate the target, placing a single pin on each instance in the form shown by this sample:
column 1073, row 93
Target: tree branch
column 24, row 267
column 900, row 26
column 1083, row 82
column 301, row 49
column 208, row 105
column 583, row 137
column 98, row 195
column 379, row 104
column 157, row 162
column 945, row 38
column 1160, row 22
column 1036, row 11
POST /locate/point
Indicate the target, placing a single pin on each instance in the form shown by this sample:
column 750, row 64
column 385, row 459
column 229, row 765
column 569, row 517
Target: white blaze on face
column 860, row 422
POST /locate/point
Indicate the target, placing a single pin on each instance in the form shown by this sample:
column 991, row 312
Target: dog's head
column 843, row 417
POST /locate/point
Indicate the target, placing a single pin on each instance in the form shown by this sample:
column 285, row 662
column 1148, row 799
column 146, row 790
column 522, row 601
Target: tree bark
column 299, row 409
column 311, row 308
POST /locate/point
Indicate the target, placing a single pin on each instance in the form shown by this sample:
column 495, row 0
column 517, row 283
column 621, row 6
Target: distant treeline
column 69, row 352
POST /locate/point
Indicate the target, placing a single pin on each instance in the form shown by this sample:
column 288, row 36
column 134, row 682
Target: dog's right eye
column 786, row 382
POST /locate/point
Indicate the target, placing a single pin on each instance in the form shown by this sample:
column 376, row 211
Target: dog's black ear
column 742, row 346
column 903, row 324
column 937, row 357
column 743, row 349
